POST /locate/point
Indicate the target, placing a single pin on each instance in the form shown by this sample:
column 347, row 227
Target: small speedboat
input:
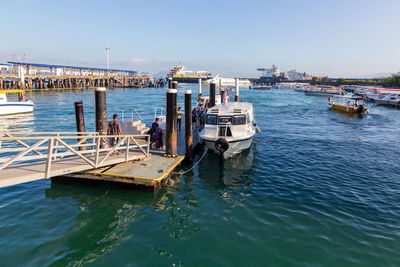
column 230, row 128
column 348, row 104
column 16, row 107
column 389, row 100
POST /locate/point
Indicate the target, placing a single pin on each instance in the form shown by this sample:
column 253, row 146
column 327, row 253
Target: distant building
column 24, row 68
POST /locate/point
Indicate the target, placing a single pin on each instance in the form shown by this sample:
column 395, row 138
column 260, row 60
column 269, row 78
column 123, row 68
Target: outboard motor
column 360, row 109
column 221, row 146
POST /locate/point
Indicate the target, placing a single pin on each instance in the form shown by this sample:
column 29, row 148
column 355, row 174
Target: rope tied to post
column 180, row 173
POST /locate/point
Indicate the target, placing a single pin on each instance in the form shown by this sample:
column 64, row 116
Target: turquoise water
column 316, row 188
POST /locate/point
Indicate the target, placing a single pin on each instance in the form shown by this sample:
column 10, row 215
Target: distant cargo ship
column 273, row 73
column 182, row 75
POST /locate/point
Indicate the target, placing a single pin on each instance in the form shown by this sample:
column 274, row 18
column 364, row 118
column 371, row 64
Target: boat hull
column 261, row 88
column 316, row 93
column 189, row 79
column 16, row 108
column 387, row 103
column 235, row 147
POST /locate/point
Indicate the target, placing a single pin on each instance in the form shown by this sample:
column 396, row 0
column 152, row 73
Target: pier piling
column 236, row 90
column 171, row 147
column 170, row 83
column 188, row 126
column 212, row 94
column 80, row 121
column 101, row 110
column 174, row 85
column 199, row 88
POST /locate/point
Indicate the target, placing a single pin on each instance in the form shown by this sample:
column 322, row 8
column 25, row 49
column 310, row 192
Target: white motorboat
column 205, row 100
column 390, row 100
column 229, row 127
column 16, row 107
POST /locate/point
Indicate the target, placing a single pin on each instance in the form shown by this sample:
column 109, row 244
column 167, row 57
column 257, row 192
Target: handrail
column 229, row 124
column 59, row 147
column 132, row 110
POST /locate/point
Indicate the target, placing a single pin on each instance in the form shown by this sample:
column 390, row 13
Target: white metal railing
column 50, row 147
column 132, row 110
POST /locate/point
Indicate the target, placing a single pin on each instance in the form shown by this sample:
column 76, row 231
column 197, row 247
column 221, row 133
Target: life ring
column 221, row 145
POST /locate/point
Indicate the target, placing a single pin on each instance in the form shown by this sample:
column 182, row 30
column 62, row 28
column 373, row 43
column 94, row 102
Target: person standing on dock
column 194, row 117
column 152, row 130
column 179, row 116
column 114, row 128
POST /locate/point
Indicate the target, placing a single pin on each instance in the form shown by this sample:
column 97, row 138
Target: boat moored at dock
column 231, row 125
column 389, row 100
column 14, row 107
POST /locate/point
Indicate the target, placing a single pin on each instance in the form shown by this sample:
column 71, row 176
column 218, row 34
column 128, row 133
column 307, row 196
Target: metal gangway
column 31, row 156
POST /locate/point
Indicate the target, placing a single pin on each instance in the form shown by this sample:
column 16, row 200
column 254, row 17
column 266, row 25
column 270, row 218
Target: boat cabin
column 229, row 120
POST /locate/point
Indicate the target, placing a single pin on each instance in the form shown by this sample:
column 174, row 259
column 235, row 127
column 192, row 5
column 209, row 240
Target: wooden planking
column 35, row 171
column 153, row 168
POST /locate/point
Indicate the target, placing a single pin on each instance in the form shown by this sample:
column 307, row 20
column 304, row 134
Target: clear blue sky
column 338, row 38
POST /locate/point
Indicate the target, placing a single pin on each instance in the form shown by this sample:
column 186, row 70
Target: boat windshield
column 222, row 120
column 239, row 120
column 213, row 119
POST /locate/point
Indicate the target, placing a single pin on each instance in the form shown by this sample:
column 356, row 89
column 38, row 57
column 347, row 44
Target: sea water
column 317, row 187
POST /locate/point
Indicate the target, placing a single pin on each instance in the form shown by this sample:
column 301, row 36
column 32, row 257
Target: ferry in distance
column 227, row 82
column 182, row 75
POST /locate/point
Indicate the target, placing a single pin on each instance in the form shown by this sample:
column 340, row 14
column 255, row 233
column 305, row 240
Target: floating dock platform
column 145, row 174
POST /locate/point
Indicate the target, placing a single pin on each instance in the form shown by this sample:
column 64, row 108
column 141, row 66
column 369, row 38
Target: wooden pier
column 32, row 76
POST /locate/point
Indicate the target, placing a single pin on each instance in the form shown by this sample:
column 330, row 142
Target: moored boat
column 389, row 100
column 14, row 107
column 261, row 87
column 229, row 126
column 348, row 104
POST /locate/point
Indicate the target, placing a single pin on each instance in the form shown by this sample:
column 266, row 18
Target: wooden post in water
column 101, row 112
column 188, row 126
column 212, row 94
column 80, row 121
column 236, row 90
column 171, row 146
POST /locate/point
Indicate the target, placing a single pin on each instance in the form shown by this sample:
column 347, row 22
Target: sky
column 352, row 38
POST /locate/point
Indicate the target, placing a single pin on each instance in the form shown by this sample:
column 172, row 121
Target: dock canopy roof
column 69, row 67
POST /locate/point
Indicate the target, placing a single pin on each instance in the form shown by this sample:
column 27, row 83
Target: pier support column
column 236, row 90
column 80, row 121
column 101, row 112
column 199, row 88
column 171, row 123
column 175, row 85
column 212, row 95
column 188, row 126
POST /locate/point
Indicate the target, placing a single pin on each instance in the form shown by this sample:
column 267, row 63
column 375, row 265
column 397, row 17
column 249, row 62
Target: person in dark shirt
column 152, row 130
column 179, row 116
column 114, row 128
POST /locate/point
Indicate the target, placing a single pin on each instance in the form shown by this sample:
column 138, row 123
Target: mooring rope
column 180, row 173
